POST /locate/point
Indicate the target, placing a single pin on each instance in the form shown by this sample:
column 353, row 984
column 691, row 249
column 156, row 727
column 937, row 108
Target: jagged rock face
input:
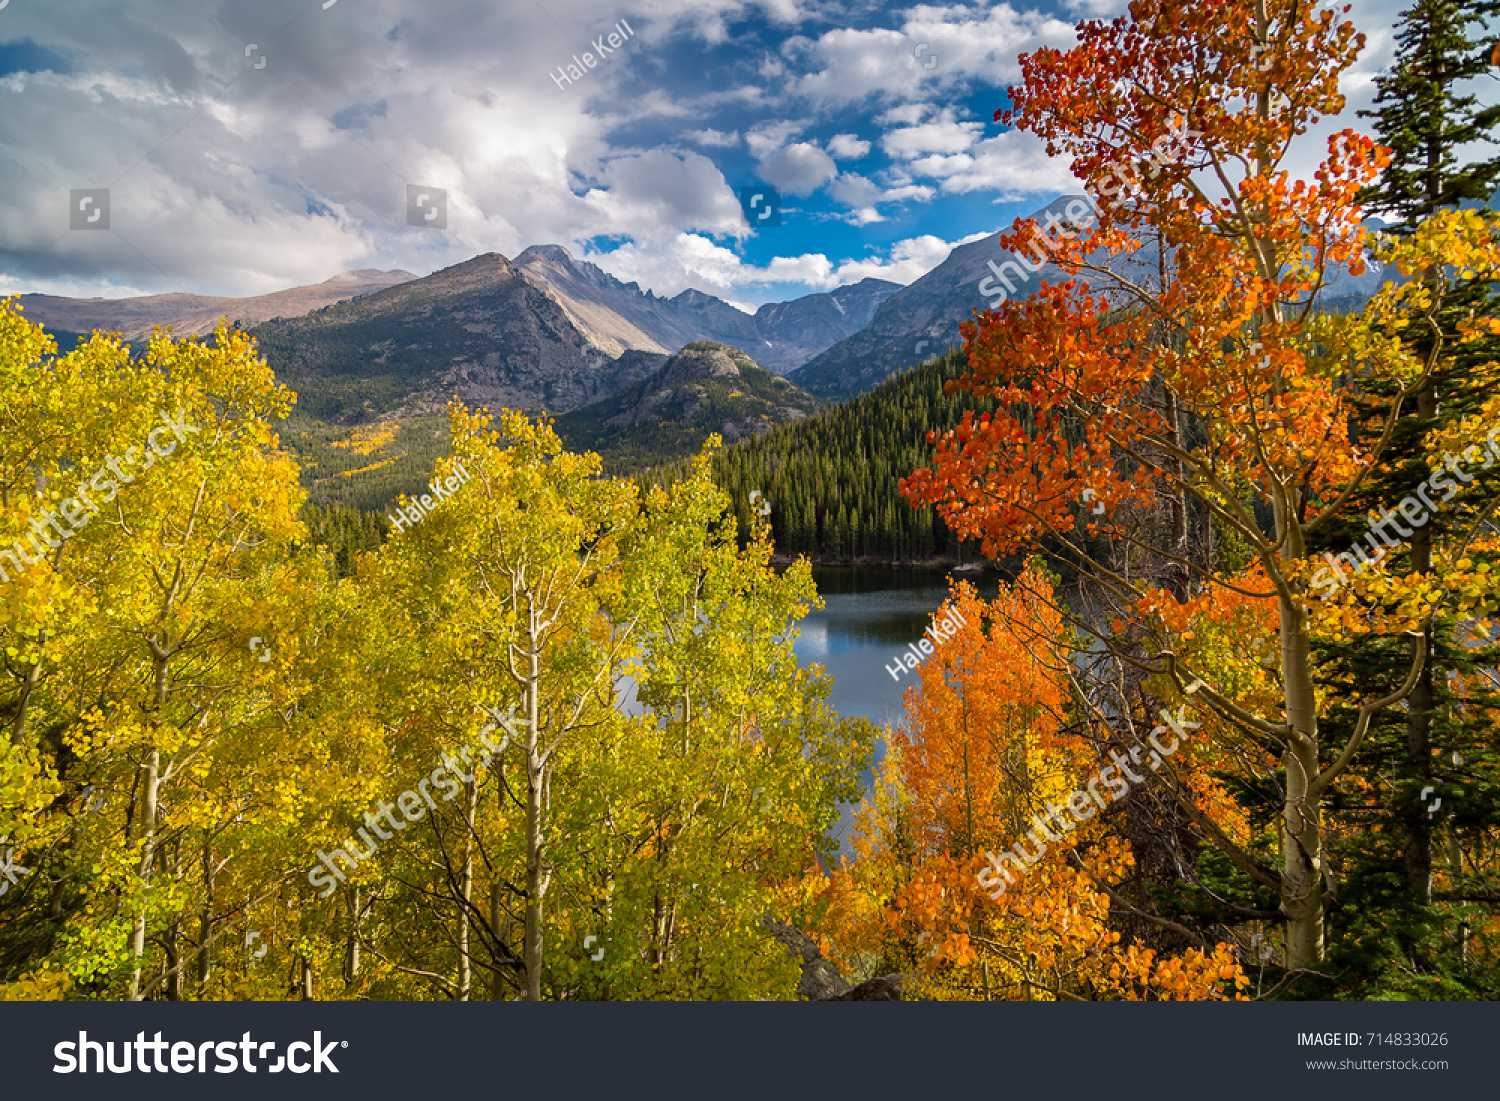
column 820, row 980
column 678, row 392
column 616, row 316
column 704, row 388
column 700, row 361
column 799, row 329
column 478, row 331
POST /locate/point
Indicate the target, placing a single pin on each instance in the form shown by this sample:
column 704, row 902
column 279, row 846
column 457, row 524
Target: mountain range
column 616, row 316
column 195, row 314
column 551, row 332
column 921, row 320
column 545, row 332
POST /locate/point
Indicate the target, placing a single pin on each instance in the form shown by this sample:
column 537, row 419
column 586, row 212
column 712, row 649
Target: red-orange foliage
column 983, row 749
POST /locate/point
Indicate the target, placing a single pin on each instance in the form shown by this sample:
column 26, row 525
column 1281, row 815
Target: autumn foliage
column 988, row 744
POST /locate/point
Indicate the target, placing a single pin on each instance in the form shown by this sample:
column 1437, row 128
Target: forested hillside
column 831, row 480
column 368, row 466
column 705, row 388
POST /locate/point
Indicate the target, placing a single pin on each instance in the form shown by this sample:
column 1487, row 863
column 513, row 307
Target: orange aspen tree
column 984, row 763
column 1195, row 387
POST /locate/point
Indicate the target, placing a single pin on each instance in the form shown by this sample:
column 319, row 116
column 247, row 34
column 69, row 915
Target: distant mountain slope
column 918, row 321
column 192, row 314
column 616, row 316
column 705, row 388
column 922, row 319
column 478, row 330
column 796, row 331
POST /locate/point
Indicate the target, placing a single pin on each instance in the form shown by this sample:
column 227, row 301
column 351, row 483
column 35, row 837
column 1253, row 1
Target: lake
column 869, row 617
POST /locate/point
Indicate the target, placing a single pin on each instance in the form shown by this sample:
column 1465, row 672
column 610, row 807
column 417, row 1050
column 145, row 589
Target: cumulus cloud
column 231, row 179
column 860, row 195
column 847, row 147
column 1011, row 164
column 852, row 189
column 648, row 195
column 767, row 138
column 960, row 43
column 1096, row 9
column 799, row 169
column 942, row 134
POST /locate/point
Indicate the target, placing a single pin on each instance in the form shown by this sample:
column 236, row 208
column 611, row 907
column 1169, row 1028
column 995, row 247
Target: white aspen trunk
column 500, row 923
column 351, row 946
column 1302, row 873
column 536, row 879
column 206, row 919
column 151, row 771
column 466, row 892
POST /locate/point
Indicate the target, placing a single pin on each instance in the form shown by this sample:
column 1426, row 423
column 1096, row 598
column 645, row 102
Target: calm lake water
column 870, row 616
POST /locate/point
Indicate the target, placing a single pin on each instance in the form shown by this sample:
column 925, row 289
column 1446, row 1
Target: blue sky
column 251, row 145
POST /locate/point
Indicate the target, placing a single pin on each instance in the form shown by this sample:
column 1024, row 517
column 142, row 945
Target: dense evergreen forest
column 830, row 480
column 369, row 466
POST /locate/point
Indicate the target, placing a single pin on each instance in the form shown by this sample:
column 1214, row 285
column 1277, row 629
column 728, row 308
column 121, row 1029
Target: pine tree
column 1441, row 743
column 1430, row 126
column 1426, row 121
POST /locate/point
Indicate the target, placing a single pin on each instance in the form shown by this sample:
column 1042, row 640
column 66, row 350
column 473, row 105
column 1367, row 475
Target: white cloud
column 908, row 114
column 847, row 146
column 714, row 138
column 858, row 193
column 695, row 261
column 68, row 288
column 771, row 67
column 852, row 189
column 228, row 180
column 1012, row 163
column 799, row 169
column 767, row 138
column 1096, row 9
column 909, row 260
column 919, row 192
column 961, row 45
column 943, row 134
column 657, row 195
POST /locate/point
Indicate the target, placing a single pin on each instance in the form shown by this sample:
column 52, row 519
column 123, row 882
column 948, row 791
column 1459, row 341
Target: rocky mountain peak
column 704, row 359
column 557, row 254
